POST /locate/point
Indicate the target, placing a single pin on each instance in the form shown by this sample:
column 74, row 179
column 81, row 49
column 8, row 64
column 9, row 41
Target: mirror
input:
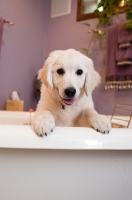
column 85, row 9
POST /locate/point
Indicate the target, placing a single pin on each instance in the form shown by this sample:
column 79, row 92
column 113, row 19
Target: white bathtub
column 68, row 164
column 16, row 117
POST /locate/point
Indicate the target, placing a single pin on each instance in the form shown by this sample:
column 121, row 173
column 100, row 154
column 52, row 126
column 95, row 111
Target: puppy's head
column 67, row 74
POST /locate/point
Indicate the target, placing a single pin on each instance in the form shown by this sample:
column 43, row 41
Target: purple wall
column 34, row 34
column 23, row 47
column 65, row 32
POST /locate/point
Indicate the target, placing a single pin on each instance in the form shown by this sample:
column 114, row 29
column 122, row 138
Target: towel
column 117, row 77
column 124, row 47
column 124, row 36
column 1, row 31
column 124, row 55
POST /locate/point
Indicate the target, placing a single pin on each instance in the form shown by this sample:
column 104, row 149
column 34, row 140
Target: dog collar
column 63, row 107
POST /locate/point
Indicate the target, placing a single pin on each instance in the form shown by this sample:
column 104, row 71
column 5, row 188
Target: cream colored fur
column 49, row 111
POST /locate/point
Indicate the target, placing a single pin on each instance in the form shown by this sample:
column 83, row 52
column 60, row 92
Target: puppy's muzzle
column 70, row 92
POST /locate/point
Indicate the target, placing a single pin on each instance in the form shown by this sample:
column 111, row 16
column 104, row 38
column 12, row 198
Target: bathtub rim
column 65, row 138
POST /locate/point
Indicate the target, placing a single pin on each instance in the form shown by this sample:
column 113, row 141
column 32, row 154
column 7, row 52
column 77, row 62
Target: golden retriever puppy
column 68, row 79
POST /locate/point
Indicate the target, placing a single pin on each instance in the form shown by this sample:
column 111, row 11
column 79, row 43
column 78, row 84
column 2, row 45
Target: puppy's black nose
column 70, row 92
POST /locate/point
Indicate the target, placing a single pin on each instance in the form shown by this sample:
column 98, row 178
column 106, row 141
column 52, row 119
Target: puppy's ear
column 45, row 74
column 92, row 77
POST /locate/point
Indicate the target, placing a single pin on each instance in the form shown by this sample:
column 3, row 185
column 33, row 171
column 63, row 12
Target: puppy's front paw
column 44, row 124
column 101, row 124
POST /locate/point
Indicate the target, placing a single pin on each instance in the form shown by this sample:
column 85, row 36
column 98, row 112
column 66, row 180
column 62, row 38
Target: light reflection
column 92, row 142
column 122, row 3
column 100, row 9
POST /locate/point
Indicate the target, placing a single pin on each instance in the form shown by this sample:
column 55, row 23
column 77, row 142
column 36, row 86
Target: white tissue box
column 15, row 105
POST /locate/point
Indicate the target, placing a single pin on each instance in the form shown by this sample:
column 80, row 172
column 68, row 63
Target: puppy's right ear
column 45, row 74
column 92, row 77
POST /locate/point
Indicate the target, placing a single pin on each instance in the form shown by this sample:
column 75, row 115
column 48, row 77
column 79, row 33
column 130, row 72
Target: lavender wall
column 65, row 32
column 23, row 47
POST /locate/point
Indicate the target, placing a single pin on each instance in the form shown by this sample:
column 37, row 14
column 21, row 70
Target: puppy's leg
column 98, row 122
column 43, row 122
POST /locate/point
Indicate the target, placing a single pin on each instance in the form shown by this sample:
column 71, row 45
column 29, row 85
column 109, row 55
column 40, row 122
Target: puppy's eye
column 79, row 72
column 60, row 71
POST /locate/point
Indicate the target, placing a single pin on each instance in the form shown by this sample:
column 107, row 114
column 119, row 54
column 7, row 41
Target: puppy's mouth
column 68, row 101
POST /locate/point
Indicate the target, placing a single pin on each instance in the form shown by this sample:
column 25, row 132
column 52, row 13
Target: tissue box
column 14, row 105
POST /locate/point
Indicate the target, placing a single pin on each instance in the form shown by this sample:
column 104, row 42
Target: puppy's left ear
column 92, row 77
column 45, row 74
